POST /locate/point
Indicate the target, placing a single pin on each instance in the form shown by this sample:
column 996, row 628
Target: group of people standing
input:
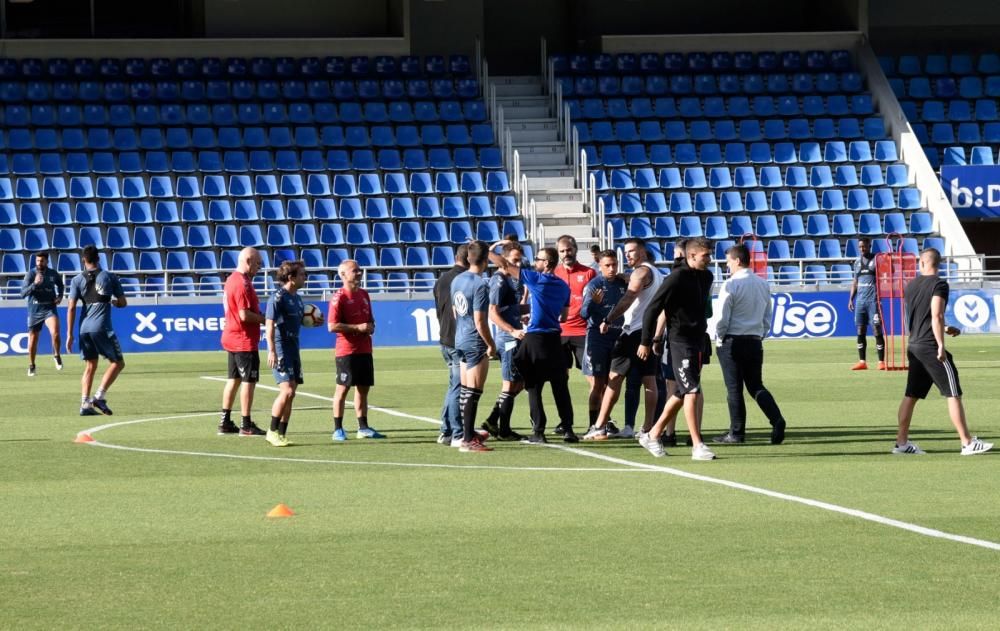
column 650, row 330
column 642, row 331
column 350, row 317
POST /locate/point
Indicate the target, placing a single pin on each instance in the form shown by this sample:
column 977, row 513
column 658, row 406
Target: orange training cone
column 281, row 510
column 83, row 437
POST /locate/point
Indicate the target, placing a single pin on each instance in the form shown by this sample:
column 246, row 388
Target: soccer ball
column 312, row 316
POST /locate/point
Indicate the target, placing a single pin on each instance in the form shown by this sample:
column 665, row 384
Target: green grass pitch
column 404, row 533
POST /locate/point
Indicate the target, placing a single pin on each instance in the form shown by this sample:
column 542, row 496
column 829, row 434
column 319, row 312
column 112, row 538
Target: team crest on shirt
column 579, row 278
column 460, row 303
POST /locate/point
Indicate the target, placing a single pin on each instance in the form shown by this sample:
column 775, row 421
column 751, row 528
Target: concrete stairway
column 534, row 133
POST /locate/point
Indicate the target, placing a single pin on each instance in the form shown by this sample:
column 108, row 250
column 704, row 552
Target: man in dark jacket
column 451, row 418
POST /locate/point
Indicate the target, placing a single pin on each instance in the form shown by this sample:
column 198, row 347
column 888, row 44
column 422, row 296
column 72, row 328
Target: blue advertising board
column 197, row 327
column 974, row 191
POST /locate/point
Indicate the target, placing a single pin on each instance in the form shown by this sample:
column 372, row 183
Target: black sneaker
column 778, row 433
column 536, row 438
column 612, row 429
column 228, row 427
column 102, row 406
column 252, row 430
column 510, row 436
column 729, row 439
column 570, row 437
column 559, row 430
column 668, row 440
column 490, row 427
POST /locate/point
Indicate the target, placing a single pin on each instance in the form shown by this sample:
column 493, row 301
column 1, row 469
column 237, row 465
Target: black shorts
column 540, row 358
column 685, row 359
column 574, row 346
column 244, row 365
column 925, row 369
column 624, row 359
column 356, row 370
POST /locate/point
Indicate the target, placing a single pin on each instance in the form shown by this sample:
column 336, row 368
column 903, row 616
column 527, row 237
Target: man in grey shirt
column 744, row 320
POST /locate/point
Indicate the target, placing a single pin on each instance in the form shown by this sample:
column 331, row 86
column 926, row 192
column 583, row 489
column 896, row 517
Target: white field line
column 635, row 466
column 852, row 512
column 417, row 465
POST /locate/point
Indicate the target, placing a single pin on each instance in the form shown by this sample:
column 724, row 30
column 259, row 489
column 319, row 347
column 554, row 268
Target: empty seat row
column 818, row 176
column 788, row 106
column 783, row 201
column 956, row 111
column 238, row 90
column 154, row 138
column 706, row 84
column 975, row 156
column 247, row 210
column 965, row 133
column 945, row 87
column 229, row 114
column 746, row 130
column 175, row 237
column 764, row 226
column 940, row 64
column 238, row 161
column 734, row 153
column 236, row 67
column 264, row 185
column 719, row 61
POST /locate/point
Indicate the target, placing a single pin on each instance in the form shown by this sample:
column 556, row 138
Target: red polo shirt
column 577, row 278
column 351, row 308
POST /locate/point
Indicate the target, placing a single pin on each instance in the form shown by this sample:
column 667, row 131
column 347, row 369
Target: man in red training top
column 241, row 339
column 351, row 318
column 574, row 329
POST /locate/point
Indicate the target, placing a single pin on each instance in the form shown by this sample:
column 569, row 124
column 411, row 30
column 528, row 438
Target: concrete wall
column 316, row 18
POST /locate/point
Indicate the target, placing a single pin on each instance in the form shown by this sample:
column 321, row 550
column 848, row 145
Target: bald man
column 352, row 319
column 241, row 339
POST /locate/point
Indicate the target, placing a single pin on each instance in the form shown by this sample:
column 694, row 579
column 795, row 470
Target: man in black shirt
column 683, row 295
column 926, row 299
column 451, row 418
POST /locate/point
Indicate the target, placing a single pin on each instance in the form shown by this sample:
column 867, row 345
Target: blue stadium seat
column 818, row 225
column 766, row 226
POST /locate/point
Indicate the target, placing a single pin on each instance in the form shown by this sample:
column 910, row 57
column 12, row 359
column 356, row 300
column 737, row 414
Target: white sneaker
column 911, row 449
column 58, row 361
column 642, row 437
column 444, row 438
column 976, row 446
column 597, row 433
column 626, row 432
column 654, row 447
column 702, row 452
column 456, row 442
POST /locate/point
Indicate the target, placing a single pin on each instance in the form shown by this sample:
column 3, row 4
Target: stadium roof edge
column 819, row 40
column 219, row 47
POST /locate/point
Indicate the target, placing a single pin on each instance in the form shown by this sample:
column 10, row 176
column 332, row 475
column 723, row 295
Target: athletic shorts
column 623, row 356
column 575, row 348
column 925, row 369
column 38, row 316
column 100, row 343
column 666, row 368
column 288, row 369
column 244, row 365
column 540, row 358
column 356, row 370
column 685, row 359
column 865, row 312
column 472, row 355
column 507, row 368
column 597, row 359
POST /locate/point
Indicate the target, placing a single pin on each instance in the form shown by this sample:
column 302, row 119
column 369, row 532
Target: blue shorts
column 288, row 368
column 100, row 343
column 38, row 316
column 507, row 368
column 597, row 358
column 865, row 312
column 472, row 355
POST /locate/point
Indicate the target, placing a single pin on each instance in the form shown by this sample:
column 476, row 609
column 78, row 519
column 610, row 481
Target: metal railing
column 523, row 207
column 532, row 219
